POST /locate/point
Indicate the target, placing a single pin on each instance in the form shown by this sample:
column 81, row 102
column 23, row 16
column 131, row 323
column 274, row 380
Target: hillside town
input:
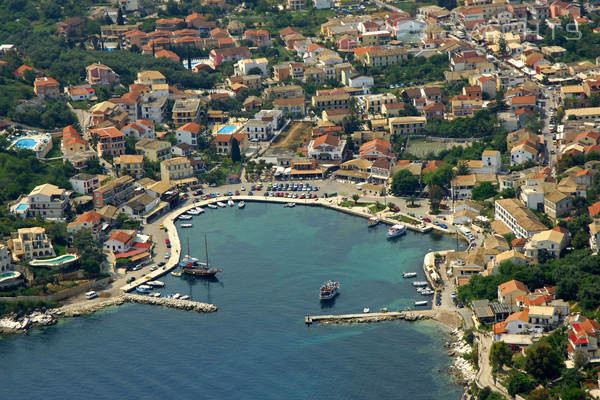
column 478, row 120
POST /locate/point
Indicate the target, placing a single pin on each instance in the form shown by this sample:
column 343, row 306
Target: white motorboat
column 421, row 303
column 143, row 289
column 211, row 205
column 373, row 222
column 409, row 274
column 155, row 283
column 200, row 210
column 366, row 310
column 193, row 211
column 231, row 203
column 396, row 230
column 221, row 204
column 185, row 297
column 290, row 205
column 420, row 283
column 186, row 225
column 155, row 294
column 427, row 292
column 184, row 217
column 242, row 204
column 176, row 295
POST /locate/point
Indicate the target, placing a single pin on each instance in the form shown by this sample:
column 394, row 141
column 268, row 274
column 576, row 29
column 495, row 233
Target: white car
column 243, row 189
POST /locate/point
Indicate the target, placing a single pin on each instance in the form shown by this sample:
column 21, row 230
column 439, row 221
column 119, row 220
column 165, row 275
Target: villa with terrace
column 31, row 243
column 47, row 201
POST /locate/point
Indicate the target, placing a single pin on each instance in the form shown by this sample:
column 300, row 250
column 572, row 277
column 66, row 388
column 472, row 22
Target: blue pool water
column 22, row 207
column 227, row 129
column 256, row 346
column 26, row 143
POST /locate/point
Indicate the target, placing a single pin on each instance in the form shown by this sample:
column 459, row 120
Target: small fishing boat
column 176, row 295
column 329, row 290
column 290, row 205
column 419, row 283
column 231, row 203
column 211, row 205
column 186, row 225
column 409, row 274
column 155, row 283
column 373, row 222
column 185, row 297
column 366, row 310
column 396, row 230
column 155, row 294
column 242, row 204
column 200, row 210
column 184, row 217
column 221, row 204
column 427, row 292
column 143, row 289
column 176, row 273
column 193, row 211
column 421, row 303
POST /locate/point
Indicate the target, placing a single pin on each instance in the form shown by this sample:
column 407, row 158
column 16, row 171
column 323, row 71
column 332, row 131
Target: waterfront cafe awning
column 279, row 171
column 287, row 171
column 351, row 173
column 140, row 256
column 186, row 181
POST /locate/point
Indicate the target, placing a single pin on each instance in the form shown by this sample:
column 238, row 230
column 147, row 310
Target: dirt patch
column 294, row 137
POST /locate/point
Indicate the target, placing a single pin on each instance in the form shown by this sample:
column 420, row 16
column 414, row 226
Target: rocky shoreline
column 463, row 369
column 14, row 324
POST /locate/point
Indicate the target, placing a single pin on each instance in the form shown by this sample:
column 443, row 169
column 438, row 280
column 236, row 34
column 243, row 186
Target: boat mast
column 206, row 247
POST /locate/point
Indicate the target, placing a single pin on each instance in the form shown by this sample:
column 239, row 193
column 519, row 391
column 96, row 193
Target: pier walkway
column 369, row 317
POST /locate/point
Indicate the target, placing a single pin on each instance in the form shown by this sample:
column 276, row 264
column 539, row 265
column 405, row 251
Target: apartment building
column 114, row 192
column 406, row 125
column 518, row 218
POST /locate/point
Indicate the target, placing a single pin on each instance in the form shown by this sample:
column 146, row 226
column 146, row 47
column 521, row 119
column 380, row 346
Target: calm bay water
column 256, row 346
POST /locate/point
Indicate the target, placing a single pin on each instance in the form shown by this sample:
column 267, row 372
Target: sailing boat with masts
column 192, row 266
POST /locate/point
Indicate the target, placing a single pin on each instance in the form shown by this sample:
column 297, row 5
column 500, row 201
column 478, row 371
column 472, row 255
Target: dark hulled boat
column 192, row 266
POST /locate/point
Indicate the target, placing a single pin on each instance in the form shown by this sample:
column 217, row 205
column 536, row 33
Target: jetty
column 186, row 305
column 369, row 317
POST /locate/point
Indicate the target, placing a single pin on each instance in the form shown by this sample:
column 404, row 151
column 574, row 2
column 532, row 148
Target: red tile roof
column 594, row 209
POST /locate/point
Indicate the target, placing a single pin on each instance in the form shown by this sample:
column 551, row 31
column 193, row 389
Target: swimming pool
column 22, row 207
column 10, row 278
column 64, row 259
column 227, row 129
column 26, row 143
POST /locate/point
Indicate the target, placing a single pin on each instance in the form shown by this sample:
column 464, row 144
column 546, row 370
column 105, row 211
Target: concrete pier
column 369, row 317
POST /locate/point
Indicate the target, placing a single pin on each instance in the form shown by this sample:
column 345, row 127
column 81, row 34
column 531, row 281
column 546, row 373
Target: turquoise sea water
column 256, row 346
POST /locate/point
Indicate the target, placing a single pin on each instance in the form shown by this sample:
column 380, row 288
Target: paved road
column 484, row 375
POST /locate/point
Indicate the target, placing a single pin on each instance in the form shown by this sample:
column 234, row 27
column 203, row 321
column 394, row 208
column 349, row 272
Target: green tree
column 235, row 151
column 404, row 182
column 539, row 394
column 435, row 198
column 542, row 362
column 500, row 355
column 573, row 394
column 130, row 144
column 518, row 382
column 440, row 177
column 462, row 168
column 580, row 359
column 483, row 190
column 581, row 239
column 502, row 46
column 355, row 197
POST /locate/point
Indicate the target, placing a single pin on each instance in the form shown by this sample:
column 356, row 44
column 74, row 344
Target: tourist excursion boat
column 211, row 205
column 91, row 295
column 230, row 203
column 329, row 290
column 373, row 222
column 242, row 204
column 421, row 303
column 176, row 273
column 192, row 266
column 420, row 283
column 143, row 289
column 409, row 274
column 185, row 217
column 221, row 204
column 396, row 230
column 155, row 283
column 186, row 225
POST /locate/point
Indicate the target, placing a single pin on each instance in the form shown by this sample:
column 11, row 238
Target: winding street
column 484, row 376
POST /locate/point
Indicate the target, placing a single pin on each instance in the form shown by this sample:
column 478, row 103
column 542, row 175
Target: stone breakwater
column 13, row 323
column 187, row 305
